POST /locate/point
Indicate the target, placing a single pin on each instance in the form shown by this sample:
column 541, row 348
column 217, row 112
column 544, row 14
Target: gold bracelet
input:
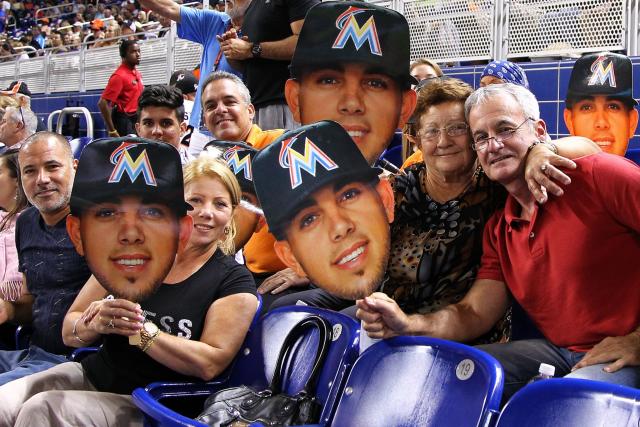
column 75, row 331
column 151, row 340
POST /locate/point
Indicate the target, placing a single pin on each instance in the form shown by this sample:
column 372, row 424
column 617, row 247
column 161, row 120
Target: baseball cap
column 185, row 81
column 17, row 87
column 113, row 167
column 603, row 73
column 353, row 31
column 290, row 169
column 97, row 24
column 238, row 157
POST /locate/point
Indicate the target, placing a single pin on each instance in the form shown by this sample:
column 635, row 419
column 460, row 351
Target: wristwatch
column 148, row 334
column 256, row 50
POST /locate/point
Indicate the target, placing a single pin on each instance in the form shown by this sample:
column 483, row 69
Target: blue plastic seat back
column 78, row 144
column 393, row 153
column 633, row 154
column 256, row 361
column 419, row 381
column 570, row 402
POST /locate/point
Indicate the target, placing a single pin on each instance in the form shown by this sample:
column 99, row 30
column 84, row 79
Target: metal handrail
column 40, row 9
column 50, row 118
column 74, row 110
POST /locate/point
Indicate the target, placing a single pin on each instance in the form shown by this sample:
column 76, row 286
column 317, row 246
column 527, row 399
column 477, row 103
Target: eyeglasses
column 21, row 116
column 432, row 134
column 481, row 142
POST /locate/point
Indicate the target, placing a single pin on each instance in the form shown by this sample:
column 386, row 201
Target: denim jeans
column 521, row 360
column 20, row 363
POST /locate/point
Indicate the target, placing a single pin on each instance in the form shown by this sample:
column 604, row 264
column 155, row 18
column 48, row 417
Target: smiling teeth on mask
column 353, row 255
column 130, row 261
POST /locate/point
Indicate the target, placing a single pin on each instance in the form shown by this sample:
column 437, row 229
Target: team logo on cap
column 296, row 162
column 601, row 73
column 237, row 164
column 124, row 164
column 351, row 30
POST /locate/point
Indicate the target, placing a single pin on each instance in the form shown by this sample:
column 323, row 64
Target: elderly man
column 600, row 103
column 53, row 272
column 560, row 261
column 16, row 125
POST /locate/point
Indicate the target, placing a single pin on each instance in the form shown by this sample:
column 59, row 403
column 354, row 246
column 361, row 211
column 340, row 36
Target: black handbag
column 240, row 406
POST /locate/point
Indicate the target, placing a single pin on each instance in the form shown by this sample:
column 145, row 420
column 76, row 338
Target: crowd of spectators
column 28, row 28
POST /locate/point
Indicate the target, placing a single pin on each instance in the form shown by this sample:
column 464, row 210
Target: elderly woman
column 442, row 205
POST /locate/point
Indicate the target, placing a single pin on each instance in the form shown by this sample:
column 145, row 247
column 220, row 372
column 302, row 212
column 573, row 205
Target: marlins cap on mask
column 114, row 167
column 238, row 157
column 604, row 73
column 288, row 171
column 336, row 32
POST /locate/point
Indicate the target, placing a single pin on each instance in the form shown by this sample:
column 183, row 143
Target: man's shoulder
column 29, row 216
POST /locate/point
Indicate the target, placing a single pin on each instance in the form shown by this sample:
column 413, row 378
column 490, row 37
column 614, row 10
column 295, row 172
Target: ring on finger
column 111, row 324
column 543, row 168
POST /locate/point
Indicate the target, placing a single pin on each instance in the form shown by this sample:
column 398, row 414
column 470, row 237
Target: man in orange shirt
column 228, row 114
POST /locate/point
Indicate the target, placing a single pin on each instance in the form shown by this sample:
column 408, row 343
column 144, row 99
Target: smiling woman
column 441, row 207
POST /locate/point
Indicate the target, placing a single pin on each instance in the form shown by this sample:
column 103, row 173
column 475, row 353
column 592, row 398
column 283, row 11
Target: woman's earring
column 226, row 230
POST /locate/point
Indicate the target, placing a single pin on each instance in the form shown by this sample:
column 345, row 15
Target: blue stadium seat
column 254, row 367
column 633, row 154
column 570, row 402
column 78, row 144
column 393, row 153
column 420, row 381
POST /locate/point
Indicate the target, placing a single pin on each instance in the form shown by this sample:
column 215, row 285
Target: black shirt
column 55, row 274
column 269, row 20
column 178, row 309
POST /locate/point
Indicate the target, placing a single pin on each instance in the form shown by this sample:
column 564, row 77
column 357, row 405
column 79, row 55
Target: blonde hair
column 207, row 165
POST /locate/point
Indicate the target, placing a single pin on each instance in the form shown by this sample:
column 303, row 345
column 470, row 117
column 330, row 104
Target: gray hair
column 219, row 75
column 30, row 120
column 525, row 99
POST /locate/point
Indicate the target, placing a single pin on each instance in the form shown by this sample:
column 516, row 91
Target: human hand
column 236, row 49
column 113, row 316
column 621, row 351
column 542, row 172
column 381, row 316
column 282, row 280
column 231, row 34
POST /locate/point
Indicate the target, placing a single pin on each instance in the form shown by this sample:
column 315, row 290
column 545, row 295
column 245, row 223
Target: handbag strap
column 324, row 340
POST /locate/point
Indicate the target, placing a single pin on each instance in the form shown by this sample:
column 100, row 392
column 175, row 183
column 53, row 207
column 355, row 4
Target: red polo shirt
column 575, row 267
column 124, row 89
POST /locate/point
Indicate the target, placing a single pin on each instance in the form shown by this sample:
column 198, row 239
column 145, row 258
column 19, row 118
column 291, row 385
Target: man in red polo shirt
column 572, row 263
column 119, row 101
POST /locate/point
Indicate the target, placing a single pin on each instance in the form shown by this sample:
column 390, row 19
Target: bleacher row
column 402, row 381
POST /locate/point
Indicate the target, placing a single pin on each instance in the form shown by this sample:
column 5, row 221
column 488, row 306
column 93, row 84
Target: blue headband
column 507, row 71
